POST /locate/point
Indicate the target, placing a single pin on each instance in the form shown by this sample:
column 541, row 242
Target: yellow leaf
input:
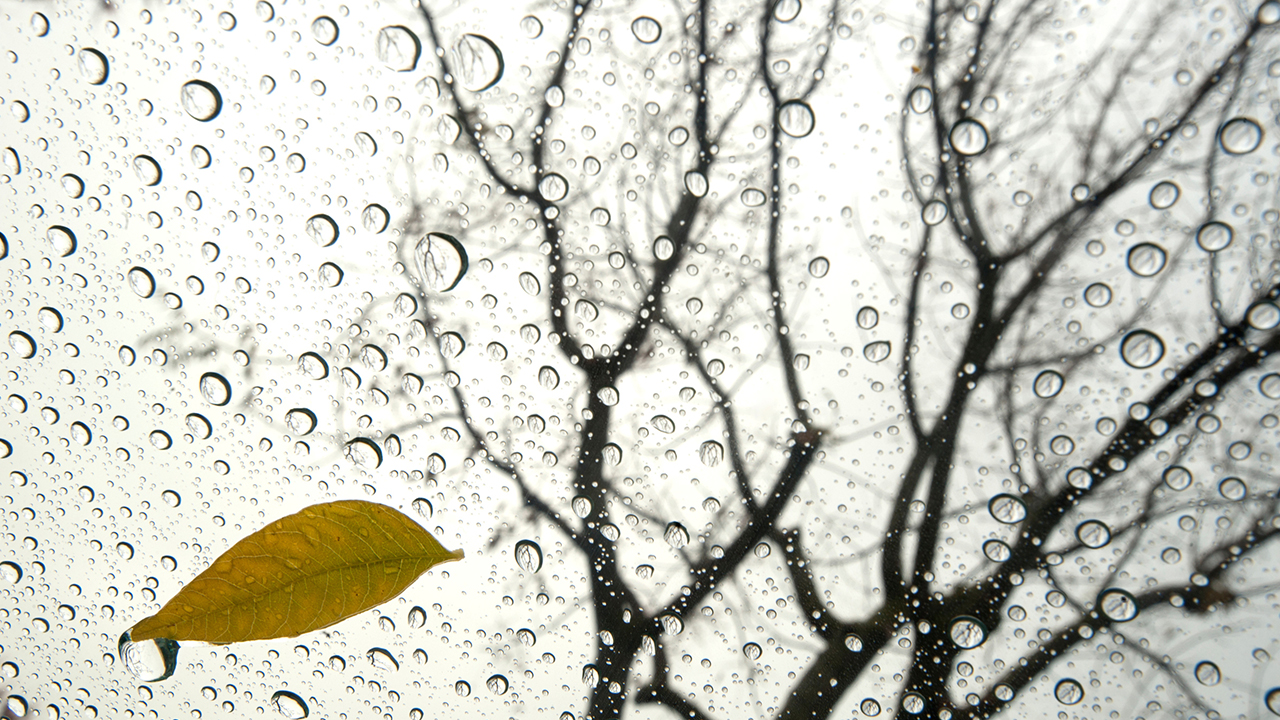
column 301, row 573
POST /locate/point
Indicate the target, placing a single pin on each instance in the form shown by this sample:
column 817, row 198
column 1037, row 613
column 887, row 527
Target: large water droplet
column 1240, row 136
column 364, row 452
column 1007, row 509
column 290, row 705
column 149, row 660
column 1093, row 534
column 1164, row 194
column 877, row 351
column 313, row 365
column 324, row 30
column 399, row 48
column 920, row 100
column 711, row 453
column 93, row 66
column 441, row 261
column 1117, row 605
column 322, row 230
column 867, row 317
column 676, row 535
column 1207, row 673
column 478, row 62
column 969, row 137
column 497, row 684
column 301, row 421
column 795, row 117
column 1068, row 691
column 1141, row 349
column 752, row 651
column 62, row 240
column 1146, row 259
column 201, row 100
column 375, row 218
column 147, row 170
column 646, row 29
column 215, row 389
column 142, row 282
column 528, row 556
column 548, row 377
column 1047, row 384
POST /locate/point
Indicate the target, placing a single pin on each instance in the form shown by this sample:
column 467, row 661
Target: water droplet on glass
column 711, row 453
column 1117, row 605
column 528, row 556
column 853, row 642
column 382, row 659
column 290, row 705
column 215, row 389
column 330, row 275
column 676, row 535
column 399, row 48
column 752, row 651
column 199, row 426
column 1207, row 673
column 1047, row 384
column 920, row 100
column 1214, row 236
column 786, row 10
column 441, row 261
column 375, row 218
column 452, row 344
column 868, row 317
column 1233, row 489
column 548, row 377
column 969, row 137
column 1240, row 136
column 876, row 351
column 1068, row 692
column 301, row 421
column 93, row 66
column 73, row 185
column 147, row 170
column 478, row 62
column 608, row 395
column 364, row 452
column 201, row 100
column 696, row 183
column 531, row 26
column 141, row 282
column 693, row 305
column 819, row 266
column 313, row 366
column 646, row 29
column 322, row 230
column 160, row 440
column 663, row 247
column 200, row 157
column 997, row 550
column 497, row 684
column 1093, row 534
column 1146, row 259
column 672, row 624
column 1273, row 700
column 39, row 24
column 581, row 506
column 795, row 117
column 752, row 197
column 553, row 187
column 1141, row 349
column 1177, row 477
column 22, row 344
column 869, row 707
column 612, row 454
column 1164, row 194
column 149, row 660
column 663, row 424
column 1007, row 509
column 62, row 240
column 365, row 144
column 20, row 111
column 324, row 30
column 1263, row 316
column 934, row 212
column 967, row 632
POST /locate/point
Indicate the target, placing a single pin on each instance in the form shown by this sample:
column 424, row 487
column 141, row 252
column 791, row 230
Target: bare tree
column 1044, row 470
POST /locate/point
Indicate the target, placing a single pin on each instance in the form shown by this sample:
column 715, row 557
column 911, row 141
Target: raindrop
column 365, row 143
column 266, row 85
column 795, row 117
column 124, row 550
column 147, row 170
column 215, row 389
column 870, row 707
column 1098, row 295
column 696, row 183
column 752, row 651
column 1093, row 534
column 581, row 506
column 313, row 366
column 289, row 705
column 142, row 282
column 693, row 305
column 264, row 11
column 20, row 111
column 199, row 426
column 322, row 230
column 934, row 212
column 1141, row 349
column 330, row 275
column 752, row 197
column 1273, row 700
column 1146, row 259
column 1048, row 384
column 1233, row 488
column 126, row 355
column 868, row 317
column 676, row 535
column 1177, row 477
column 612, row 453
column 81, row 433
column 497, row 684
column 1164, row 194
column 1117, row 605
column 711, row 453
column 600, row 216
column 93, row 66
column 876, row 351
column 526, row 637
column 531, row 26
column 1240, row 136
column 663, row 247
column 22, row 344
column 324, row 30
column 819, row 266
column 586, row 310
column 1007, row 509
column 399, row 48
column 201, row 100
column 969, row 137
column 62, row 240
column 478, row 62
column 39, row 24
column 406, row 305
column 920, row 100
column 786, row 10
column 364, row 452
column 663, row 424
column 644, row 572
column 1269, row 386
column 646, row 29
column 997, row 550
column 441, row 261
column 424, row 509
column 160, row 440
column 672, row 624
column 73, row 185
column 452, row 344
column 1263, row 316
column 529, row 283
column 528, row 556
column 1208, row 673
column 967, row 632
column 200, row 157
column 913, row 703
column 548, row 377
column 382, row 658
column 608, row 396
column 375, row 218
column 301, row 421
column 853, row 643
column 1068, row 692
column 226, row 21
column 553, row 187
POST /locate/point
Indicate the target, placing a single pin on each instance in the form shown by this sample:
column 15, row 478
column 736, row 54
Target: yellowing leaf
column 301, row 573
